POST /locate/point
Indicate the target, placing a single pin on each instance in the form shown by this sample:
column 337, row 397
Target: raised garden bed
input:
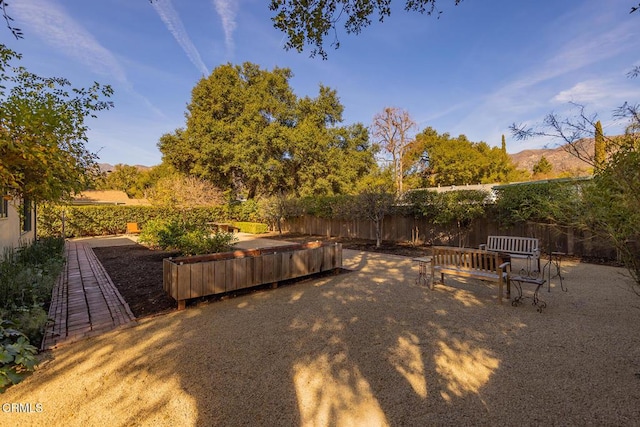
column 185, row 278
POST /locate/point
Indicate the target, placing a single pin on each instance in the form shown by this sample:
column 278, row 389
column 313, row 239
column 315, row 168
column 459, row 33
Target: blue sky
column 480, row 67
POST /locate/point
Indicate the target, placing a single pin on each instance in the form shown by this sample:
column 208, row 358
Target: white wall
column 11, row 235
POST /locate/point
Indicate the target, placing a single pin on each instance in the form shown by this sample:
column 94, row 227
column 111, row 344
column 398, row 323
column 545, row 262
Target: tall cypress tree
column 600, row 152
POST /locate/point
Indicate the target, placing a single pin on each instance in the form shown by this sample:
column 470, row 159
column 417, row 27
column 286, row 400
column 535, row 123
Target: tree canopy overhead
column 43, row 132
column 246, row 130
column 308, row 23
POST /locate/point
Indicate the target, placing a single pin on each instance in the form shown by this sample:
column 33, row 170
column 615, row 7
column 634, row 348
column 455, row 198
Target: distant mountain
column 106, row 167
column 562, row 160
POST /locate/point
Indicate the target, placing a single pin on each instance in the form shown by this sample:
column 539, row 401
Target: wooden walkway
column 85, row 302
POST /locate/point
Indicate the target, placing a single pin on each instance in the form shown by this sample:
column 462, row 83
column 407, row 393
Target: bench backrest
column 466, row 258
column 513, row 244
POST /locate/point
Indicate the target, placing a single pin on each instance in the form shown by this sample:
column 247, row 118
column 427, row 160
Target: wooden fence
column 399, row 228
column 197, row 276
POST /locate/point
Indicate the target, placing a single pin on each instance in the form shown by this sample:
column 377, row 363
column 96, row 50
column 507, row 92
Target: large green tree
column 43, row 132
column 247, row 131
column 237, row 128
column 458, row 161
column 122, row 178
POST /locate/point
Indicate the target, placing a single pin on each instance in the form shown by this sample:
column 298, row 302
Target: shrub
column 27, row 277
column 150, row 234
column 199, row 242
column 188, row 238
column 17, row 355
column 31, row 321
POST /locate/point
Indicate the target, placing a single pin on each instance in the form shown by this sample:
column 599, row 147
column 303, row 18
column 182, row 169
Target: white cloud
column 55, row 27
column 585, row 92
column 570, row 61
column 598, row 91
column 172, row 20
column 227, row 10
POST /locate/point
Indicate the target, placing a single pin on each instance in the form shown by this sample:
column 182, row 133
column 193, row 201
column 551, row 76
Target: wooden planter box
column 197, row 276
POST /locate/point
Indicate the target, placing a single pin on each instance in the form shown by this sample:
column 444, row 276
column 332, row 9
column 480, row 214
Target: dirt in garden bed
column 137, row 273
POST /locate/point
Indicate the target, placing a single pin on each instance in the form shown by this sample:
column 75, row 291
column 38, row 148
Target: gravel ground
column 368, row 348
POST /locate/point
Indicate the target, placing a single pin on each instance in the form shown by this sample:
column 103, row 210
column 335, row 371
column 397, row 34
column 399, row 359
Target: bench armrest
column 504, row 265
column 482, row 246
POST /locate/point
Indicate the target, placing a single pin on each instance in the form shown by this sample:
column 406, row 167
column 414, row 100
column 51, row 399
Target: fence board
column 184, row 281
column 219, row 277
column 209, row 280
column 229, row 274
column 401, row 228
column 196, row 280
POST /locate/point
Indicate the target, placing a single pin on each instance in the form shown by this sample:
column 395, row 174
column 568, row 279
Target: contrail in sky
column 227, row 11
column 172, row 20
column 56, row 28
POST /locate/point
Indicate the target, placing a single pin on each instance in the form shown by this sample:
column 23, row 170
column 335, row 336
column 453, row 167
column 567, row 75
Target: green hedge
column 102, row 220
column 251, row 227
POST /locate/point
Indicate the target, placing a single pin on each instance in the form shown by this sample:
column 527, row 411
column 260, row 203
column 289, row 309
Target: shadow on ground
column 366, row 348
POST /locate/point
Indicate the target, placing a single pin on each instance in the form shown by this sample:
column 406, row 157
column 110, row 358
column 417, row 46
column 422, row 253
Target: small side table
column 518, row 281
column 424, row 275
column 555, row 260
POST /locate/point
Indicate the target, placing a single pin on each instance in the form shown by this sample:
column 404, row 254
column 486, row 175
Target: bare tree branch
column 17, row 32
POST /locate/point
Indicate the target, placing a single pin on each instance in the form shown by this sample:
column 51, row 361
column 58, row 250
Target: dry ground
column 137, row 271
column 365, row 348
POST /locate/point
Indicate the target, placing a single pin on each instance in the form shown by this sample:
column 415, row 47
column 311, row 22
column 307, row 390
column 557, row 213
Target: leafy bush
column 150, row 233
column 27, row 277
column 199, row 242
column 17, row 355
column 188, row 238
column 556, row 202
column 31, row 321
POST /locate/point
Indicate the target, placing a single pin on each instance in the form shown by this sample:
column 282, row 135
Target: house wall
column 11, row 234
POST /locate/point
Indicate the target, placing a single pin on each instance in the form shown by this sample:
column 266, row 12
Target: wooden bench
column 475, row 263
column 224, row 226
column 518, row 247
